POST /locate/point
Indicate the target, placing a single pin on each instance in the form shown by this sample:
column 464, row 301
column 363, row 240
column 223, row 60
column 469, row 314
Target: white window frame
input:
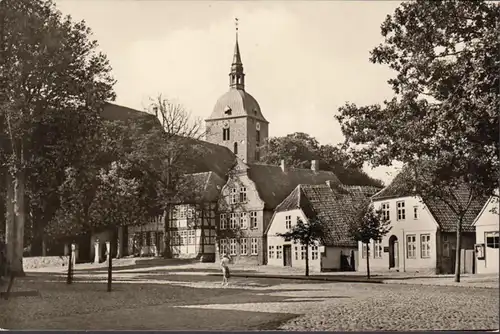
column 253, row 220
column 364, row 250
column 296, row 250
column 233, row 196
column 425, row 246
column 254, row 246
column 182, row 212
column 288, row 222
column 243, row 246
column 400, row 205
column 243, row 220
column 271, row 252
column 243, row 195
column 386, row 213
column 279, row 252
column 377, row 249
column 223, row 221
column 314, row 252
column 415, row 212
column 495, row 242
column 411, row 246
column 233, row 223
column 223, row 246
column 232, row 246
column 302, row 252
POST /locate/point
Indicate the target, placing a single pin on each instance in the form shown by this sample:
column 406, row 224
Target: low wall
column 44, row 261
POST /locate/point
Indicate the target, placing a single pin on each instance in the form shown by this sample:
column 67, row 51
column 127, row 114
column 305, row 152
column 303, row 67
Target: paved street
column 164, row 300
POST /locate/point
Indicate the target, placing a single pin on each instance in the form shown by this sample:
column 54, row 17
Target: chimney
column 315, row 165
column 283, row 166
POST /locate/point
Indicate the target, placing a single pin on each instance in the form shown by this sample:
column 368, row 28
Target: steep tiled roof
column 444, row 215
column 200, row 187
column 335, row 206
column 274, row 185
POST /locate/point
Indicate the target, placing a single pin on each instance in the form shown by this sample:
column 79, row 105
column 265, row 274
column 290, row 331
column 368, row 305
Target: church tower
column 236, row 121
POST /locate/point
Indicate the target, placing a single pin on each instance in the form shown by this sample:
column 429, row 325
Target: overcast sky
column 302, row 59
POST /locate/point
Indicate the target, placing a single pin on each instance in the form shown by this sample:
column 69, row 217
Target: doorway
column 287, row 255
column 393, row 252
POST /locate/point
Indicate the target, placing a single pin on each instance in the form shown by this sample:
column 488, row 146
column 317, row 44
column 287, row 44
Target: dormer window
column 227, row 110
column 255, row 111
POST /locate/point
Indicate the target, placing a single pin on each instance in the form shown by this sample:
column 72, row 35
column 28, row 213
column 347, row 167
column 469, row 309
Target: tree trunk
column 15, row 222
column 458, row 250
column 110, row 265
column 367, row 260
column 307, row 259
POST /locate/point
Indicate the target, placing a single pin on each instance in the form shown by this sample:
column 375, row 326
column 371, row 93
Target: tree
column 445, row 110
column 298, row 149
column 307, row 234
column 369, row 225
column 48, row 65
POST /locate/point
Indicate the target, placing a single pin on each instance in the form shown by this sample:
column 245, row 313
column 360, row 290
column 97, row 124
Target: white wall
column 278, row 226
column 424, row 224
column 331, row 257
column 488, row 222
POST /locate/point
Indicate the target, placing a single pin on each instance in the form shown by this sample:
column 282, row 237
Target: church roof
column 200, row 187
column 200, row 156
column 274, row 185
column 240, row 104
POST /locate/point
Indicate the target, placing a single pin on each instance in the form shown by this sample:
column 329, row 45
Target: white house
column 423, row 233
column 333, row 205
column 487, row 237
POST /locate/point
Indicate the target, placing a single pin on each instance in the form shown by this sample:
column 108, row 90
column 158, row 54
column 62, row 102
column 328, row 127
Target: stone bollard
column 74, row 254
column 96, row 251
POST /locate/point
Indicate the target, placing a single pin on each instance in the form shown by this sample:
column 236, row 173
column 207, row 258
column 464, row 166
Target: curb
column 305, row 278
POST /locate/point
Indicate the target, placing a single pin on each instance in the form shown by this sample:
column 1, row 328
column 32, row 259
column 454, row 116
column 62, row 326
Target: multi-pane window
column 378, row 249
column 232, row 246
column 183, row 237
column 182, row 212
column 243, row 194
column 411, row 246
column 271, row 252
column 232, row 221
column 364, row 250
column 233, row 197
column 254, row 246
column 385, row 211
column 314, row 252
column 190, row 213
column 223, row 246
column 415, row 212
column 296, row 253
column 279, row 252
column 253, row 219
column 192, row 237
column 401, row 210
column 302, row 252
column 223, row 221
column 425, row 245
column 244, row 246
column 225, row 134
column 243, row 220
column 491, row 239
column 288, row 222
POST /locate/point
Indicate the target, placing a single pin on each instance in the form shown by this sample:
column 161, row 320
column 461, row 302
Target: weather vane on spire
column 236, row 25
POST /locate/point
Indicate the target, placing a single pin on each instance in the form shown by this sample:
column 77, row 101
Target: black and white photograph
column 217, row 165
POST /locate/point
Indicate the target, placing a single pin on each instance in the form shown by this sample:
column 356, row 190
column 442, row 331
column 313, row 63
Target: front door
column 393, row 252
column 287, row 255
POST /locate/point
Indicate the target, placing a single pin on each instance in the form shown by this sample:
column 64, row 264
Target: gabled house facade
column 423, row 233
column 335, row 206
column 487, row 237
column 247, row 204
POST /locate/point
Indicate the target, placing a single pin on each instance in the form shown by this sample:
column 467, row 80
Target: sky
column 303, row 59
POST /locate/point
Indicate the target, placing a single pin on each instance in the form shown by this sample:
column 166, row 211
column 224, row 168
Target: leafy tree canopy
column 298, row 149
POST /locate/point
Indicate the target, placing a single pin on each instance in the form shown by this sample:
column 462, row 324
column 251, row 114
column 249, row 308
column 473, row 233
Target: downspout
column 404, row 252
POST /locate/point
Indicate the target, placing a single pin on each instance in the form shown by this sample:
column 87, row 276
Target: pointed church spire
column 237, row 77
